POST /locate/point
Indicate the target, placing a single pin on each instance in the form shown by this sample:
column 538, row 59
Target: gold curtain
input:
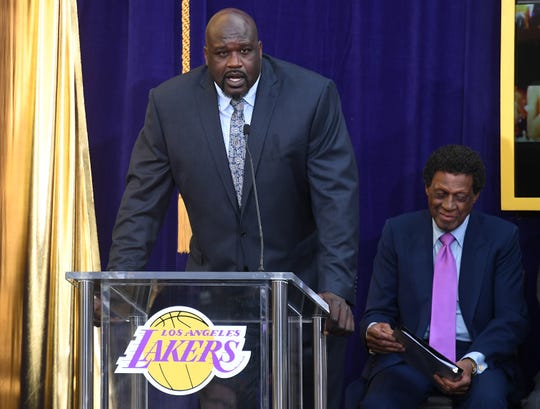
column 184, row 227
column 46, row 202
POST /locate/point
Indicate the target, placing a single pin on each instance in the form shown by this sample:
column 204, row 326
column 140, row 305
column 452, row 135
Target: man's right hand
column 380, row 339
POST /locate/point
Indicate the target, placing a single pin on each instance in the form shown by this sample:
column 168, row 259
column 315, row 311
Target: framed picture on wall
column 520, row 104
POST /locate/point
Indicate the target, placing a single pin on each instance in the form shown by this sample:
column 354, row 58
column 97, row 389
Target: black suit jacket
column 305, row 172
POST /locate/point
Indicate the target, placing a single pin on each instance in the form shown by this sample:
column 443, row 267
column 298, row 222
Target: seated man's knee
column 488, row 390
column 398, row 386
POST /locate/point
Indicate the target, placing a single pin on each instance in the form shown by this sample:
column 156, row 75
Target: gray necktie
column 237, row 146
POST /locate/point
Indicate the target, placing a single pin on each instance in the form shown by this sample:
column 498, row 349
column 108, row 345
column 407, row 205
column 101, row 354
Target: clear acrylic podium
column 148, row 360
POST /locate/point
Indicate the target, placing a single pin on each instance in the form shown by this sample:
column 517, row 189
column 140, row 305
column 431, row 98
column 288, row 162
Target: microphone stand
column 257, row 208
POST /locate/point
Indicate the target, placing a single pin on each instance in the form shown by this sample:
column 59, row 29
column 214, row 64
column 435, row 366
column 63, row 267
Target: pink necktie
column 442, row 332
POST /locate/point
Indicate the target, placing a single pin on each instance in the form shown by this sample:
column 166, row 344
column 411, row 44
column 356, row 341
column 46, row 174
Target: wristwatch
column 474, row 366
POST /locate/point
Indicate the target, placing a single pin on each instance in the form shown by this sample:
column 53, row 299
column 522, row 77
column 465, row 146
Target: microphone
column 246, row 130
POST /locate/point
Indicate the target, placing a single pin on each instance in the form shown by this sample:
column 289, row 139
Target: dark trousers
column 402, row 386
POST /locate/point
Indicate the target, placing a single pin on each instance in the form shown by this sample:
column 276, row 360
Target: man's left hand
column 341, row 319
column 459, row 387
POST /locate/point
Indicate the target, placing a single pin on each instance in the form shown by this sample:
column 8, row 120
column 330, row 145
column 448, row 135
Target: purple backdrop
column 412, row 76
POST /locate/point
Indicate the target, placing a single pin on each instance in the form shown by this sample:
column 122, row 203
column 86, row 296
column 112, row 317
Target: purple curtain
column 412, row 76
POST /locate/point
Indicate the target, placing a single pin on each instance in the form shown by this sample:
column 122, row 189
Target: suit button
column 243, row 234
column 246, row 268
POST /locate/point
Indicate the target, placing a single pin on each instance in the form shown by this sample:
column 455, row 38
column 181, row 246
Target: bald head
column 242, row 20
column 233, row 51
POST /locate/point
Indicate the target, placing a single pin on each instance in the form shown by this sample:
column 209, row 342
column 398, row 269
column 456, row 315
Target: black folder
column 419, row 354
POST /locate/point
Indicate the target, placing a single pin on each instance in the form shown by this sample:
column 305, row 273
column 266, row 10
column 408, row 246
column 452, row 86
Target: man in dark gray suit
column 304, row 165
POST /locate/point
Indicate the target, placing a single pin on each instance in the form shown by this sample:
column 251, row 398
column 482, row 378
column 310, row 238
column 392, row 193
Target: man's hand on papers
column 380, row 339
column 460, row 386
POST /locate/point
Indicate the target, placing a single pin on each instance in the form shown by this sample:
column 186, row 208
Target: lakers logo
column 179, row 351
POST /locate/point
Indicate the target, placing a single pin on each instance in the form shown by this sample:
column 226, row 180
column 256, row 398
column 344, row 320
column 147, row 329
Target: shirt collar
column 458, row 233
column 224, row 101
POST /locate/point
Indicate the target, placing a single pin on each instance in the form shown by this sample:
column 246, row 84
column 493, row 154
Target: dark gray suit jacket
column 491, row 294
column 305, row 170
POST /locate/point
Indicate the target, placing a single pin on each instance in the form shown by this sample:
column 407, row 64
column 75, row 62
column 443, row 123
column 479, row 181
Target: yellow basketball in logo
column 180, row 332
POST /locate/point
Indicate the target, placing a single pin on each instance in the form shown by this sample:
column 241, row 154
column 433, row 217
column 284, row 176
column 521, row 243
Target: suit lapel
column 206, row 100
column 472, row 269
column 267, row 94
column 424, row 241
